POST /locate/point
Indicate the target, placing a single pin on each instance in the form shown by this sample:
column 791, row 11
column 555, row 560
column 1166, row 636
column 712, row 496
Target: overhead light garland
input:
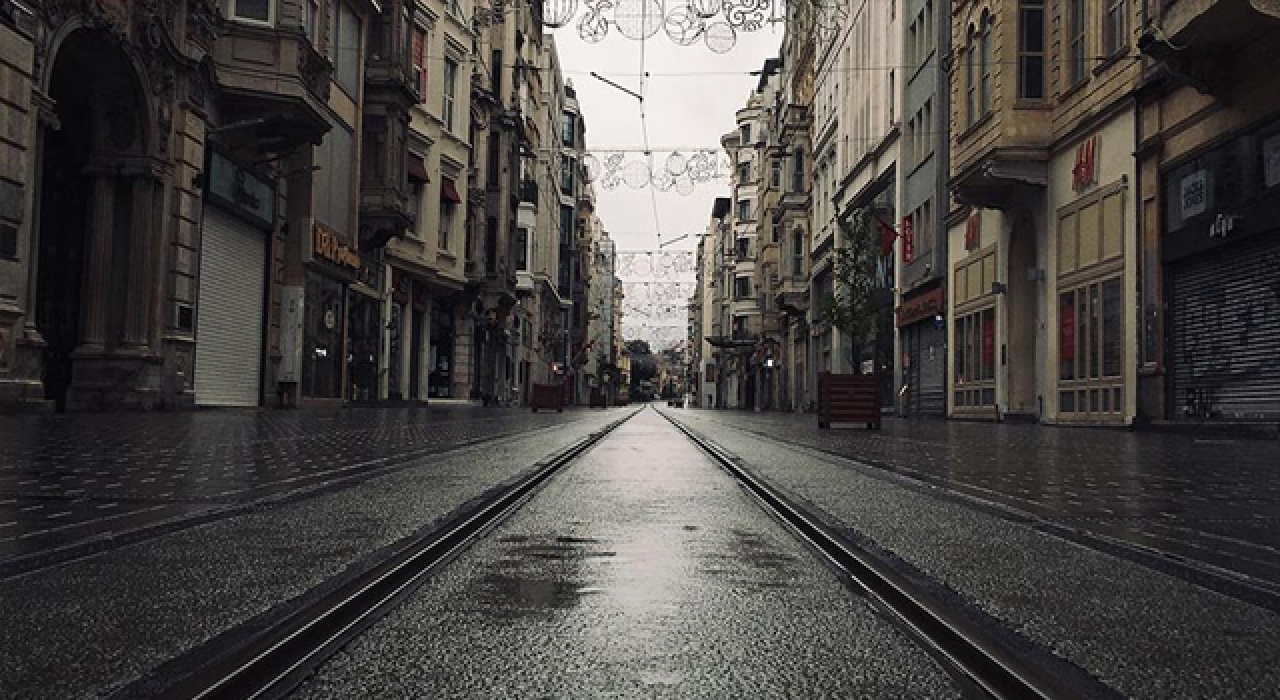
column 679, row 173
column 656, row 286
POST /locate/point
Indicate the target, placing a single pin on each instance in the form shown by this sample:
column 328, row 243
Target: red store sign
column 1085, row 171
column 973, row 230
column 908, row 240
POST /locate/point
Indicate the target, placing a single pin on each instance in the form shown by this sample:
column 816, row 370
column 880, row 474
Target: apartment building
column 1044, row 274
column 922, row 244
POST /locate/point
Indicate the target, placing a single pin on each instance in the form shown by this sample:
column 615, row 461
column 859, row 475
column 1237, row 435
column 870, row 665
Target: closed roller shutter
column 926, row 374
column 1226, row 332
column 229, row 317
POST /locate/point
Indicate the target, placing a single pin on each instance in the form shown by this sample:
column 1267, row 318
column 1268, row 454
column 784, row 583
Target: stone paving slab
column 1142, row 632
column 65, row 479
column 83, row 628
column 1212, row 501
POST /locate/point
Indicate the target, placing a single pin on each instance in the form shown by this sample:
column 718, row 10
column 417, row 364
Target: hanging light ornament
column 684, row 26
column 638, row 19
column 557, row 13
column 705, row 9
column 720, row 37
column 636, row 175
column 593, row 27
column 677, row 163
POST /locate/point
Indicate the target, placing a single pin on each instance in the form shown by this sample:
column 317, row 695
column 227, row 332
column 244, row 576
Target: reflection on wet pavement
column 641, row 570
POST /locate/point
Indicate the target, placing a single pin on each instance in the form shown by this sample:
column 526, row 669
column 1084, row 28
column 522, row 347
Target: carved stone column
column 96, row 296
column 140, row 287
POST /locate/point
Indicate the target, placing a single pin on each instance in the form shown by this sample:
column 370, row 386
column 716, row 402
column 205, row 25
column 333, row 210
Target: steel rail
column 278, row 659
column 985, row 662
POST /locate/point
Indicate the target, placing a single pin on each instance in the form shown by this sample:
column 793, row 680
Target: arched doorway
column 86, row 208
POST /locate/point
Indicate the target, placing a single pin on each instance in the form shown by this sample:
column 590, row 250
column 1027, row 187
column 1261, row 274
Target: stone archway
column 95, row 273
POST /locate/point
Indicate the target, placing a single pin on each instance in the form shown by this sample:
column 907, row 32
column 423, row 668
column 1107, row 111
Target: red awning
column 418, row 170
column 448, row 192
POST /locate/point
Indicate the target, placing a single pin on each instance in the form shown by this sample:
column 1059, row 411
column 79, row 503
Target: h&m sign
column 327, row 245
column 1085, row 171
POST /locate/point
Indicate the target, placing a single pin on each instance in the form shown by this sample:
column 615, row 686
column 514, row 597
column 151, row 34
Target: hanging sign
column 973, row 230
column 908, row 239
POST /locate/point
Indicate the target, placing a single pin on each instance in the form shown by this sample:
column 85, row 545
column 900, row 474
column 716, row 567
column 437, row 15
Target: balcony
column 275, row 86
column 1198, row 40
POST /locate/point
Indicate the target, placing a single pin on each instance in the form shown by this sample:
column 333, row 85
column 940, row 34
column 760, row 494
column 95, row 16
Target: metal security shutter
column 229, row 316
column 926, row 375
column 1226, row 332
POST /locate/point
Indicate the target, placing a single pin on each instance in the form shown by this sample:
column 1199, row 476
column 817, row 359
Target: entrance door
column 1023, row 308
column 415, row 355
column 229, row 315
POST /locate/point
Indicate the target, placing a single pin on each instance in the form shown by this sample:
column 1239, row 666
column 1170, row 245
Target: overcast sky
column 690, row 99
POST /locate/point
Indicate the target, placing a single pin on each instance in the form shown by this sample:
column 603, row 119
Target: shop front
column 338, row 321
column 922, row 328
column 364, row 330
column 974, row 301
column 1221, row 260
column 1092, row 337
column 238, row 217
column 440, row 379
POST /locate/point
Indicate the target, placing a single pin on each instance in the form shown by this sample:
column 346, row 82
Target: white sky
column 690, row 100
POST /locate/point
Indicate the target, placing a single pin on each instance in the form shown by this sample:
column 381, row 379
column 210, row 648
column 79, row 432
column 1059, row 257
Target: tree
column 849, row 307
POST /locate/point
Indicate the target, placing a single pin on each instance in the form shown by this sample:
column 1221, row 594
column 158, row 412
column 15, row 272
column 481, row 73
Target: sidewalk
column 1213, row 501
column 66, row 480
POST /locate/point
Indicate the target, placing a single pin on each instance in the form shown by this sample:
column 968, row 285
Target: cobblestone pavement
column 1214, row 501
column 66, row 479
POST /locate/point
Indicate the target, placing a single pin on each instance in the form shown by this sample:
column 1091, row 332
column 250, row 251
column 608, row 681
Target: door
column 228, row 364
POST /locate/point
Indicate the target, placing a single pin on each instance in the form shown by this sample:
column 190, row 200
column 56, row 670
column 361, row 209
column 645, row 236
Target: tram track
column 277, row 659
column 971, row 653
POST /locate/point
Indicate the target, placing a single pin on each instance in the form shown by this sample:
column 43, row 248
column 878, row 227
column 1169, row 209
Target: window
column 566, row 225
column 1031, row 50
column 447, row 211
column 455, row 8
column 986, row 65
column 1113, row 27
column 450, row 83
column 567, row 167
column 975, row 359
column 344, row 41
column 926, row 129
column 744, row 209
column 742, row 288
column 971, row 80
column 420, row 63
column 746, row 134
column 520, row 255
column 797, row 172
column 892, row 97
column 775, row 172
column 251, row 10
column 312, row 21
column 491, row 246
column 568, row 130
column 744, row 172
column 797, row 254
column 1076, row 32
column 495, row 76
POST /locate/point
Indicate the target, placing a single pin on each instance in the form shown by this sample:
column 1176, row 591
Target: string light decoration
column 678, row 172
column 656, row 286
column 716, row 23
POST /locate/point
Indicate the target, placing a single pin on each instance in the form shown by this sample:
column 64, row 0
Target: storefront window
column 1091, row 349
column 975, row 359
column 441, row 373
column 362, row 359
column 322, row 338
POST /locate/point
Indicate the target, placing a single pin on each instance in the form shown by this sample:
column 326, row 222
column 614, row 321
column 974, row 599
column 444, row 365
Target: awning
column 418, row 169
column 448, row 192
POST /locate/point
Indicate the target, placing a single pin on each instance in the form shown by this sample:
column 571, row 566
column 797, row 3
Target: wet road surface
column 642, row 570
column 69, row 479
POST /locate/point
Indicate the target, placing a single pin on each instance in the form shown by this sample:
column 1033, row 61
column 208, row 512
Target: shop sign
column 926, row 306
column 241, row 190
column 908, row 240
column 973, row 230
column 1085, row 171
column 1195, row 194
column 328, row 246
column 1067, row 334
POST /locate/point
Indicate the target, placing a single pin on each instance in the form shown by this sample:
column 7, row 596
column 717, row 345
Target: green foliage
column 849, row 307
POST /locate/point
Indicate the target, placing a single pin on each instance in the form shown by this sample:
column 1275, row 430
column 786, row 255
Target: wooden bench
column 548, row 396
column 848, row 398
